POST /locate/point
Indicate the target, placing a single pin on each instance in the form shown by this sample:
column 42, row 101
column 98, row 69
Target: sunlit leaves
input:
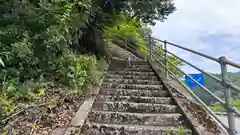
column 2, row 63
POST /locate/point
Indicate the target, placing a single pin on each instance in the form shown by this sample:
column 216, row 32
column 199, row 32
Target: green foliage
column 1, row 62
column 169, row 131
column 181, row 128
column 149, row 11
column 176, row 62
column 127, row 29
column 160, row 55
column 76, row 70
column 217, row 107
column 35, row 43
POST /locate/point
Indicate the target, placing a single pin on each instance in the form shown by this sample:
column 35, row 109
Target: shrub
column 35, row 43
column 127, row 29
column 77, row 70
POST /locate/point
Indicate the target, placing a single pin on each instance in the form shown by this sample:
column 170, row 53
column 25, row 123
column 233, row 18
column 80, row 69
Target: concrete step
column 133, row 73
column 133, row 69
column 132, row 86
column 132, row 81
column 119, row 129
column 136, row 99
column 111, row 76
column 132, row 92
column 132, row 62
column 122, row 66
column 136, row 118
column 134, row 107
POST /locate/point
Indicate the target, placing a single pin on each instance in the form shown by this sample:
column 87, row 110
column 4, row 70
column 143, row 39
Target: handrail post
column 151, row 46
column 228, row 96
column 166, row 59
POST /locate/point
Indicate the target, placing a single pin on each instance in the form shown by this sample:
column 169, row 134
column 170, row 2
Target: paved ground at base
column 237, row 120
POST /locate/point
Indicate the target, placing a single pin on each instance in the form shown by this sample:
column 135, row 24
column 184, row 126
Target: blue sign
column 198, row 77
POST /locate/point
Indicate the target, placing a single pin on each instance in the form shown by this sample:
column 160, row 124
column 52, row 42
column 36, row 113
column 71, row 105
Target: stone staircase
column 133, row 101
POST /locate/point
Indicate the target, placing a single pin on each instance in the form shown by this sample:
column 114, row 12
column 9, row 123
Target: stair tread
column 131, row 79
column 132, row 69
column 152, row 85
column 134, row 92
column 128, row 66
column 160, row 119
column 138, row 99
column 120, row 79
column 136, row 76
column 132, row 86
column 128, row 129
column 153, row 78
column 131, row 60
column 134, row 107
column 122, row 102
column 139, row 126
column 115, row 68
column 140, row 114
column 162, row 90
column 133, row 72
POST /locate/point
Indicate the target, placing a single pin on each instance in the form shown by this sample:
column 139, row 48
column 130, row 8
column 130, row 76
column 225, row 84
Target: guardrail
column 223, row 62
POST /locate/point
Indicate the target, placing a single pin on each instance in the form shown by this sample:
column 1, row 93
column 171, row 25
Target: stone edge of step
column 161, row 100
column 119, row 102
column 171, row 117
column 129, row 127
column 110, row 85
column 115, row 80
column 109, row 92
column 97, row 104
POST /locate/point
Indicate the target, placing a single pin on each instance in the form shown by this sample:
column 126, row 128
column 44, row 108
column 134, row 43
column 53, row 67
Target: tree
column 147, row 11
column 104, row 13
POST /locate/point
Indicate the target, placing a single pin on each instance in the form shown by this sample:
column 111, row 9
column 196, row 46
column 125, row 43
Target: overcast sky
column 208, row 26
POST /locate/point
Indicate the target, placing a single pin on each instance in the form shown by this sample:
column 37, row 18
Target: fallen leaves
column 54, row 109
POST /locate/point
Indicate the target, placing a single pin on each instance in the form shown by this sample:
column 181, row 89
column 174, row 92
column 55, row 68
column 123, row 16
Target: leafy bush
column 35, row 43
column 77, row 70
column 126, row 29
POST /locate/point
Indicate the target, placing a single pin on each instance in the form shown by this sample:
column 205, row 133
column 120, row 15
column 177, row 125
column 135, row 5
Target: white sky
column 208, row 26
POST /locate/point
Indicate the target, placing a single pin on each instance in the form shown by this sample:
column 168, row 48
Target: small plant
column 169, row 131
column 181, row 130
column 77, row 71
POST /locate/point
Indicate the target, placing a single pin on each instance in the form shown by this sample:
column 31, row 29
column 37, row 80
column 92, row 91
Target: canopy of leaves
column 147, row 11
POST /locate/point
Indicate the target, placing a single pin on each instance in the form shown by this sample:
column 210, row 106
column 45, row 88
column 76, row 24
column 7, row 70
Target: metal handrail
column 224, row 81
column 206, row 90
column 199, row 53
column 236, row 88
column 194, row 96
